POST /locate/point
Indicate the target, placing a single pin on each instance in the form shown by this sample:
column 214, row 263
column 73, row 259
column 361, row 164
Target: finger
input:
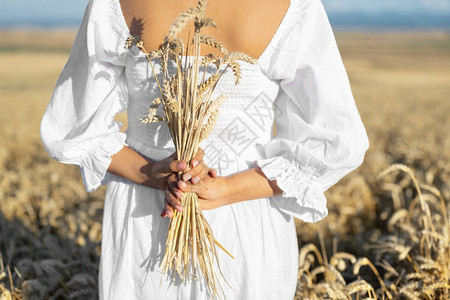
column 173, row 166
column 176, row 193
column 200, row 171
column 167, row 211
column 173, row 201
column 178, row 166
column 172, row 181
column 197, row 158
column 212, row 172
column 172, row 184
column 187, row 187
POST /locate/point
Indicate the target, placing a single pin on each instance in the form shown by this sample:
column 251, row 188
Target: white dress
column 299, row 83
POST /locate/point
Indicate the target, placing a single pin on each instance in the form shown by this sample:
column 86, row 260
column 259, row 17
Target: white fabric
column 299, row 82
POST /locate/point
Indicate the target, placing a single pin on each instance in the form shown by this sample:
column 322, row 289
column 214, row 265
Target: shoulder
column 304, row 28
column 108, row 11
column 104, row 31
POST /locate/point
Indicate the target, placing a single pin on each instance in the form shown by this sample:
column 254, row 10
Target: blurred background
column 386, row 235
column 351, row 14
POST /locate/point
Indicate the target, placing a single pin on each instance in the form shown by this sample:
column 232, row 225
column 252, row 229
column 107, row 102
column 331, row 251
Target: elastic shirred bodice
column 245, row 118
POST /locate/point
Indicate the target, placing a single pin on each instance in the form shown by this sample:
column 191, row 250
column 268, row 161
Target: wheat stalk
column 366, row 262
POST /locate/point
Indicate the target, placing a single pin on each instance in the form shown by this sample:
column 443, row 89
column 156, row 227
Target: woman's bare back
column 246, row 26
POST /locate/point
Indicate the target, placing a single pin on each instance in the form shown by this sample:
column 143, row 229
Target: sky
column 69, row 12
column 391, row 6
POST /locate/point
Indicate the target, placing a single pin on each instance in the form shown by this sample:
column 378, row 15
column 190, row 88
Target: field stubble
column 380, row 238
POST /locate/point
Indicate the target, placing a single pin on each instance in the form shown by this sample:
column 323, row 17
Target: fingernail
column 194, row 163
column 187, row 176
column 179, row 195
column 165, row 213
column 179, row 208
column 195, row 180
column 180, row 165
column 182, row 184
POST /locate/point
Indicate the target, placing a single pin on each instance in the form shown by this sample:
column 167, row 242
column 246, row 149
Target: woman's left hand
column 211, row 191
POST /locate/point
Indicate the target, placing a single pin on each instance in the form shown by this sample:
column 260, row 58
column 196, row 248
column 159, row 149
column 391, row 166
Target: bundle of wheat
column 190, row 113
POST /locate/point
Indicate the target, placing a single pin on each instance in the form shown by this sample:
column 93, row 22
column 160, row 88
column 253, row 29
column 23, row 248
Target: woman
column 262, row 181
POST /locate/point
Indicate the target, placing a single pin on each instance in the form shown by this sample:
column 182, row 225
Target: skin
column 155, row 174
column 246, row 26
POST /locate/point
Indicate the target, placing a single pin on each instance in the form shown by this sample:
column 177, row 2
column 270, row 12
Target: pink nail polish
column 195, row 180
column 187, row 176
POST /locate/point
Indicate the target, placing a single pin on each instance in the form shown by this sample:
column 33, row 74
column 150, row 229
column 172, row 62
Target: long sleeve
column 78, row 125
column 320, row 136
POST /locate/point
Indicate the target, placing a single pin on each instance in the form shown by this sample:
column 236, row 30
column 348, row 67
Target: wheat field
column 386, row 236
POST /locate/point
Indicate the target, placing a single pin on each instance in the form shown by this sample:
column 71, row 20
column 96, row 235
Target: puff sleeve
column 320, row 136
column 78, row 125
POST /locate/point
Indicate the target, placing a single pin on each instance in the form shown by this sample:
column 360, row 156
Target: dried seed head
column 361, row 262
column 181, row 21
column 241, row 56
column 204, row 22
column 208, row 40
column 337, row 277
column 358, row 286
column 201, row 7
column 213, row 114
column 151, row 117
column 167, row 91
column 236, row 68
column 140, row 45
column 210, row 58
column 156, row 103
column 338, row 260
column 208, row 84
column 176, row 46
column 173, row 83
column 164, row 57
column 307, row 249
column 131, row 41
column 171, row 106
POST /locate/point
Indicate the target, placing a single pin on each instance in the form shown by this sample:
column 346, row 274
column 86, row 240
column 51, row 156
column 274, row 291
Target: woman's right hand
column 199, row 171
column 211, row 191
column 161, row 170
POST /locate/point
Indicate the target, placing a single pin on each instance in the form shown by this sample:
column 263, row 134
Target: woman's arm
column 248, row 185
column 219, row 191
column 133, row 166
